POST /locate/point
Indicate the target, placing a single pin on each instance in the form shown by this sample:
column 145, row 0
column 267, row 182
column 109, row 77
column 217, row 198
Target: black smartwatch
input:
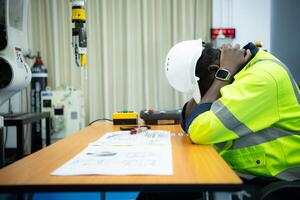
column 223, row 75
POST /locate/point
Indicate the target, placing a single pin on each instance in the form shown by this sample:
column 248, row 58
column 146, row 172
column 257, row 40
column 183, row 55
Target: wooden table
column 196, row 168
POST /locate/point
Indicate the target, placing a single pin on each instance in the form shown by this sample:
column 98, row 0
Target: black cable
column 101, row 119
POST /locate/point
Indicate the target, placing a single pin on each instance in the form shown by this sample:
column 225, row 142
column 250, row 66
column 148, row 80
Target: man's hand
column 233, row 58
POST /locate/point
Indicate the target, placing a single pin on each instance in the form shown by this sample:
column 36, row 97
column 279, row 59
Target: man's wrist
column 229, row 67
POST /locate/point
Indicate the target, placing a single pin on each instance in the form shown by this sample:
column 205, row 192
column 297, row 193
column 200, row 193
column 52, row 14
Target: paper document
column 120, row 153
column 149, row 137
column 119, row 160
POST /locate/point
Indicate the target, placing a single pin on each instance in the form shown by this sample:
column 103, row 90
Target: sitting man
column 249, row 110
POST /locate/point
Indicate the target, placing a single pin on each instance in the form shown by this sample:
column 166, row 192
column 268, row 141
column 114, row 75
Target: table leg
column 20, row 140
column 222, row 196
column 103, row 196
column 48, row 139
column 20, row 196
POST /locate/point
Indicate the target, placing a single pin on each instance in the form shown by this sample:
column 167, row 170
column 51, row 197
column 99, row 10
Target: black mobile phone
column 128, row 128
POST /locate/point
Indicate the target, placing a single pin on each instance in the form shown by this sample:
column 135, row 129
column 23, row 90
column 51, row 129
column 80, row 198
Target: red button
column 151, row 110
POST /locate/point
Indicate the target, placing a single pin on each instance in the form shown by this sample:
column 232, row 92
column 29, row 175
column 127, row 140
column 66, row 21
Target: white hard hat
column 180, row 67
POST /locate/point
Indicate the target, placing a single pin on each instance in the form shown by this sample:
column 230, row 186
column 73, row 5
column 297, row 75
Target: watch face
column 222, row 74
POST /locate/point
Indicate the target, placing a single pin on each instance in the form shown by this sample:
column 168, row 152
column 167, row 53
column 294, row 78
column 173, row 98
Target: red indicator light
column 223, row 32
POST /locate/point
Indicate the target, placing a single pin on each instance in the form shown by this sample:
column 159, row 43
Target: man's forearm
column 213, row 93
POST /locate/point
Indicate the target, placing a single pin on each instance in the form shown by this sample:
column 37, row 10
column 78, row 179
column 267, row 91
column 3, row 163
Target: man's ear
column 213, row 68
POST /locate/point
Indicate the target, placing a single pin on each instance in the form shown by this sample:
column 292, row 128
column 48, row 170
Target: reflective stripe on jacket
column 255, row 125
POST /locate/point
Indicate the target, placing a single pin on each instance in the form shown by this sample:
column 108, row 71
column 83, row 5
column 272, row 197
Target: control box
column 156, row 117
column 66, row 107
column 125, row 117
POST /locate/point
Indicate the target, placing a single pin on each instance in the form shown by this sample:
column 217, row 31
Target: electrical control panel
column 66, row 109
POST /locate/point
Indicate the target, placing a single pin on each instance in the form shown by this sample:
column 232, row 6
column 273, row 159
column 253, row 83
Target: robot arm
column 14, row 72
column 79, row 36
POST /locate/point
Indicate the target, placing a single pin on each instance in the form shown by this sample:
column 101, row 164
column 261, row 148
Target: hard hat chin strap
column 196, row 93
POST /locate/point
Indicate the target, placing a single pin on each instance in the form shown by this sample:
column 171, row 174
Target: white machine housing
column 15, row 74
column 66, row 109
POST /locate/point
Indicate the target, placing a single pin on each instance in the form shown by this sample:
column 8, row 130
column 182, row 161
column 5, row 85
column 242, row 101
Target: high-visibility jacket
column 255, row 124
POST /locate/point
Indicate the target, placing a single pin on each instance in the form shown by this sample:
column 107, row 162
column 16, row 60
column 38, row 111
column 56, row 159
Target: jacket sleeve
column 201, row 108
column 245, row 106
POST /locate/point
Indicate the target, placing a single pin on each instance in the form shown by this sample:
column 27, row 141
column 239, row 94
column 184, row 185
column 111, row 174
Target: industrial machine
column 14, row 72
column 66, row 107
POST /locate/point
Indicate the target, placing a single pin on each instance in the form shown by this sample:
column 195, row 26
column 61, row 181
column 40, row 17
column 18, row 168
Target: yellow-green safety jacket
column 255, row 124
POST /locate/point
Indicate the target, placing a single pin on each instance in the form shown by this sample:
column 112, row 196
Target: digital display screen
column 58, row 111
column 47, row 103
column 222, row 74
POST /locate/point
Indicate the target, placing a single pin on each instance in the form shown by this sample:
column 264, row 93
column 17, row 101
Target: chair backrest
column 280, row 190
